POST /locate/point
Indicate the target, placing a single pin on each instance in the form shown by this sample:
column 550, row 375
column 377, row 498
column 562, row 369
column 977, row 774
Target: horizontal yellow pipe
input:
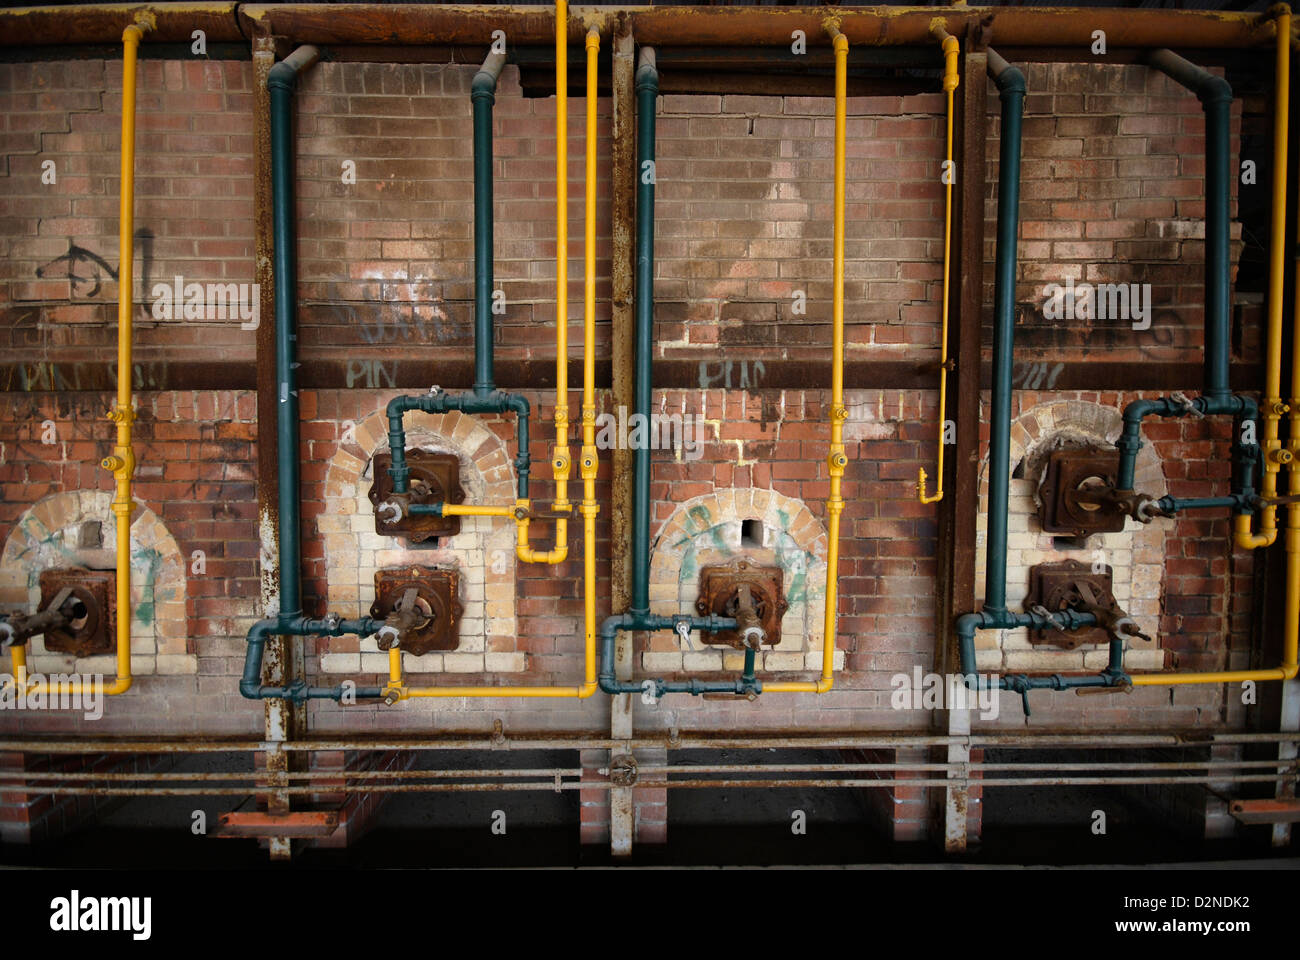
column 799, row 686
column 469, row 510
column 1212, row 676
column 581, row 692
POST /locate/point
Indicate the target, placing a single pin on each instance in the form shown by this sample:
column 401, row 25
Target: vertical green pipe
column 647, row 93
column 1011, row 91
column 1217, row 126
column 1215, row 95
column 483, row 96
column 280, row 83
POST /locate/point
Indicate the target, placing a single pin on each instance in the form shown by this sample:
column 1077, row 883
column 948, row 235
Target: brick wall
column 1112, row 192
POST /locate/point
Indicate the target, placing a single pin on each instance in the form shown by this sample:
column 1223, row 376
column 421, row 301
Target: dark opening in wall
column 751, row 533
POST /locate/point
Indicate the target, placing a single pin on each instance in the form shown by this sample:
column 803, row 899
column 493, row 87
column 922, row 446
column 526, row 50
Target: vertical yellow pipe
column 589, row 509
column 836, row 461
column 1291, row 614
column 1272, row 407
column 590, row 461
column 950, row 81
column 122, row 460
column 560, row 462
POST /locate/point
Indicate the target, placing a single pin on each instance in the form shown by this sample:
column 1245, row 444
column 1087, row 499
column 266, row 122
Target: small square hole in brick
column 751, row 533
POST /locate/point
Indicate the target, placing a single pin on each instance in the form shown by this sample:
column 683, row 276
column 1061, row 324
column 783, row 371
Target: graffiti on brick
column 86, row 271
column 731, row 374
column 1039, row 375
column 44, row 376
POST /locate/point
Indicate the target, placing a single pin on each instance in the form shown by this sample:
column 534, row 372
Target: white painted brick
column 661, row 662
column 463, row 662
column 177, row 664
column 702, row 661
column 783, row 661
column 506, row 662
column 340, row 662
column 1042, row 660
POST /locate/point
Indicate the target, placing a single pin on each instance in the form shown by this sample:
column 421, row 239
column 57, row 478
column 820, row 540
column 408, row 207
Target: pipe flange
column 1147, row 509
column 623, row 770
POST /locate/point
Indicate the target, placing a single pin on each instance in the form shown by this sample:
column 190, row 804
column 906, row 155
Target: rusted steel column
column 281, row 718
column 620, row 515
column 957, row 522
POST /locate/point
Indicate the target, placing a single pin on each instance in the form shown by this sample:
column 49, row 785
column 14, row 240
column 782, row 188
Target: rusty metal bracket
column 1071, row 585
column 94, row 632
column 421, row 605
column 1074, row 493
column 623, row 770
column 721, row 588
column 435, row 478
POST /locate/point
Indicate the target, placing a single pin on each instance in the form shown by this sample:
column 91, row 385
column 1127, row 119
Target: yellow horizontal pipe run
column 1221, row 676
column 798, row 686
column 552, row 693
column 468, row 510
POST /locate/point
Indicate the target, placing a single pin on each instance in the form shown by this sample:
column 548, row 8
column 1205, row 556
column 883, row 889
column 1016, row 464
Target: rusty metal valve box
column 1067, row 495
column 422, row 603
column 435, row 478
column 96, row 591
column 719, row 594
column 1057, row 586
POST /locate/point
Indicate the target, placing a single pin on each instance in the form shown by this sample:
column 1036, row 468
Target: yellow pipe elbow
column 1246, row 538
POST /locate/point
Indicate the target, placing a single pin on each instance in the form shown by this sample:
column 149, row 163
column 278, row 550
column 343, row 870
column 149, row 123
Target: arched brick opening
column 485, row 545
column 44, row 538
column 709, row 529
column 1135, row 554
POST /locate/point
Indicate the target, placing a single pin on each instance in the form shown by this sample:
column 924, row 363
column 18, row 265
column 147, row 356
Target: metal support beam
column 961, row 506
column 622, row 266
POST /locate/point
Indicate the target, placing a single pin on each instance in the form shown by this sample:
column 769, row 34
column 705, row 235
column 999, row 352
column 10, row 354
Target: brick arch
column 707, row 529
column 354, row 552
column 40, row 540
column 1136, row 554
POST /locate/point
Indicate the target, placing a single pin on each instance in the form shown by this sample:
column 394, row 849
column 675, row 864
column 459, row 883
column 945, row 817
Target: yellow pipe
column 397, row 689
column 470, row 510
column 836, row 461
column 590, row 458
column 1213, row 676
column 560, row 462
column 1272, row 407
column 122, row 460
column 950, row 80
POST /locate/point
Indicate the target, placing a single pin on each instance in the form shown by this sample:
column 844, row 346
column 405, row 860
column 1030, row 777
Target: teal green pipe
column 1215, row 95
column 494, row 402
column 647, row 93
column 744, row 685
column 1217, row 398
column 1011, row 91
column 995, row 615
column 483, row 96
column 280, row 83
column 484, row 398
column 250, row 684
